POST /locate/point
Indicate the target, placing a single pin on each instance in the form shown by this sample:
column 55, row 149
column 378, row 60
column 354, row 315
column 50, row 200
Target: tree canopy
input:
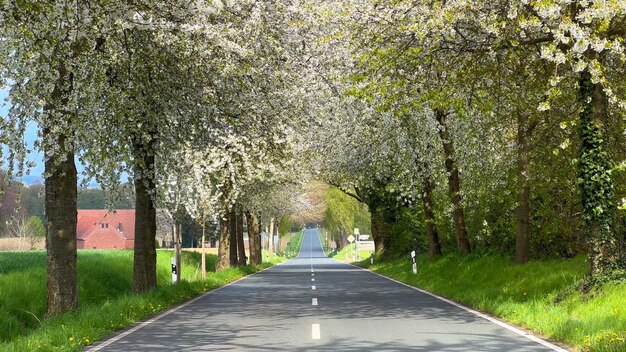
column 460, row 125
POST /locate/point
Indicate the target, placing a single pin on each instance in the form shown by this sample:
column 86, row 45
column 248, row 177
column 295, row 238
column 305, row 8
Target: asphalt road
column 313, row 303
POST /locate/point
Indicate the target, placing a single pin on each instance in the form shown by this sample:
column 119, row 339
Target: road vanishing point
column 314, row 303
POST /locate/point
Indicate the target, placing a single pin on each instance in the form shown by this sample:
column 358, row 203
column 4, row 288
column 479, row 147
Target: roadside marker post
column 413, row 260
column 174, row 270
column 372, row 258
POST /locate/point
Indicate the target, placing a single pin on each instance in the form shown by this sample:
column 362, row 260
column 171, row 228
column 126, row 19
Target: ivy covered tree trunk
column 434, row 248
column 60, row 206
column 254, row 238
column 241, row 247
column 454, row 183
column 594, row 177
column 144, row 263
column 223, row 252
column 522, row 216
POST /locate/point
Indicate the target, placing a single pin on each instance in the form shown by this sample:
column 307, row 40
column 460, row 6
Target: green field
column 541, row 295
column 106, row 301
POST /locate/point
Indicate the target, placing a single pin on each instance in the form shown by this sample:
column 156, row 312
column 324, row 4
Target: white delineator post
column 174, row 271
column 414, row 264
column 177, row 229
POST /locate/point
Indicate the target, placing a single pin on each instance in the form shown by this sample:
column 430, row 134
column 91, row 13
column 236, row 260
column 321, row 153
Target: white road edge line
column 477, row 313
column 315, row 332
column 121, row 335
column 314, row 301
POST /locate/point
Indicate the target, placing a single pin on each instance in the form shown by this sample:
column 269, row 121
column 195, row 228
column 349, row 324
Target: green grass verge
column 293, row 247
column 540, row 295
column 106, row 300
column 347, row 253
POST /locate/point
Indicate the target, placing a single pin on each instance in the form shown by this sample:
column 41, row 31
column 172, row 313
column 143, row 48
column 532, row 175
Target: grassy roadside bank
column 293, row 246
column 347, row 252
column 107, row 303
column 540, row 295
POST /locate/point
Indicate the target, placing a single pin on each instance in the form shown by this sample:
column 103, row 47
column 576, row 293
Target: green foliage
column 344, row 213
column 596, row 183
column 362, row 220
column 284, row 225
column 91, row 198
column 408, row 234
column 555, row 201
column 35, row 227
column 107, row 301
column 526, row 295
column 340, row 211
column 96, row 198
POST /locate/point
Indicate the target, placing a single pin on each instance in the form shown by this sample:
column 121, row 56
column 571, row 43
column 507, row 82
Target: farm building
column 103, row 229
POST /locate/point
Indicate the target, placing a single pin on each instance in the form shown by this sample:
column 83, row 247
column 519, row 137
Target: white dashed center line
column 312, row 279
column 315, row 332
column 314, row 302
column 313, row 287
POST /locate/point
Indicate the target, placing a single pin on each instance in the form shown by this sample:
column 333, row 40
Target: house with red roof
column 104, row 229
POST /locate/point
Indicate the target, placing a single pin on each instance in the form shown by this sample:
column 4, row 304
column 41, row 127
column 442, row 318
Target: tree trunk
column 233, row 237
column 61, row 214
column 270, row 234
column 144, row 268
column 223, row 253
column 594, row 175
column 60, row 204
column 203, row 253
column 379, row 230
column 523, row 191
column 241, row 248
column 454, row 183
column 254, row 238
column 434, row 248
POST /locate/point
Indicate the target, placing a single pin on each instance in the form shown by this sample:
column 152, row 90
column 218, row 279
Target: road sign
column 351, row 239
column 356, row 231
column 364, row 237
